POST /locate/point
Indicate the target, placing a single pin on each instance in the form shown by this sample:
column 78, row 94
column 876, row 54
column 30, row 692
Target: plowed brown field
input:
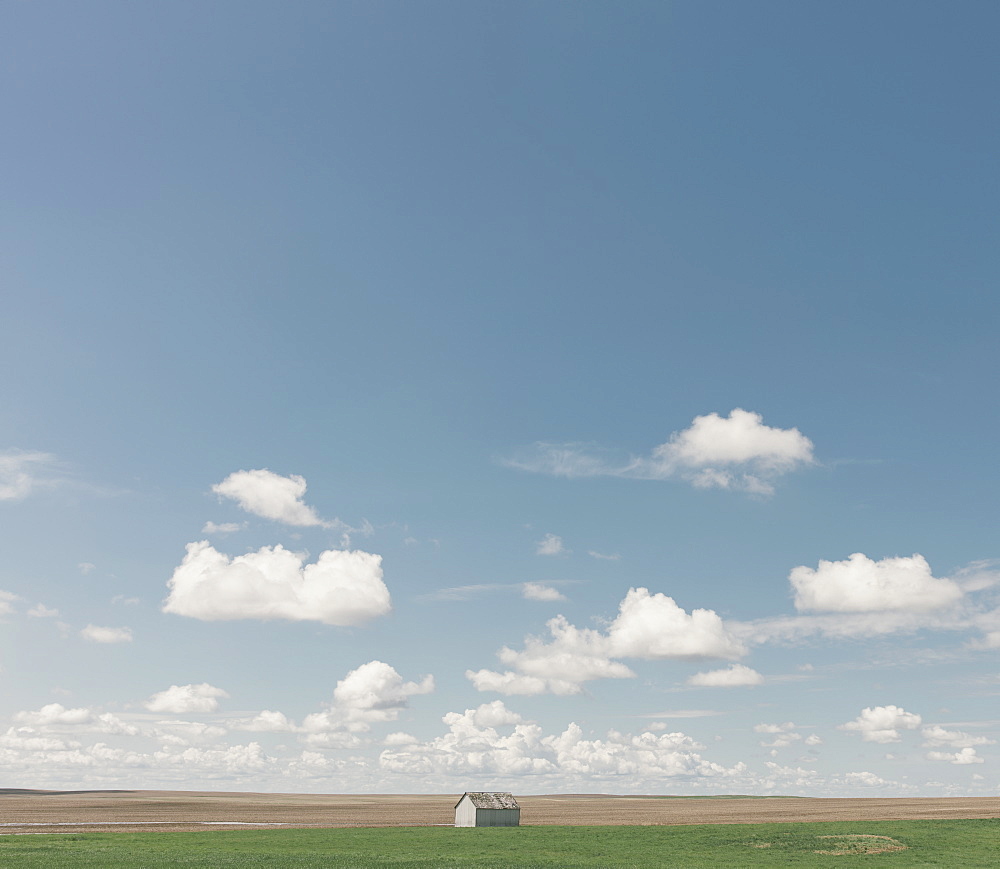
column 65, row 811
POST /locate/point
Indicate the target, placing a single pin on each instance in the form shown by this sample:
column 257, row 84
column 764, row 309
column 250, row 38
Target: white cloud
column 373, row 692
column 960, row 758
column 267, row 721
column 654, row 627
column 181, row 699
column 495, row 714
column 736, row 452
column 782, row 735
column 537, row 591
column 736, row 675
column 186, row 733
column 55, row 713
column 860, row 584
column 112, row 724
column 86, row 567
column 787, row 727
column 550, row 544
column 990, row 640
column 341, row 588
column 573, row 655
column 56, row 716
column 474, row 745
column 266, row 494
column 97, row 634
column 7, row 600
column 860, row 597
column 866, row 779
column 40, row 611
column 601, row 556
column 222, row 528
column 22, row 471
column 882, row 723
column 936, row 736
column 511, row 683
column 650, row 627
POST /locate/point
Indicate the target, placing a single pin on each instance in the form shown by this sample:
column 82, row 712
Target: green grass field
column 948, row 844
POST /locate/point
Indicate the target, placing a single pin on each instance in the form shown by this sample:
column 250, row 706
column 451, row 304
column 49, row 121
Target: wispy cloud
column 538, row 591
column 97, row 634
column 22, row 471
column 682, row 713
column 551, row 544
column 601, row 556
column 736, row 452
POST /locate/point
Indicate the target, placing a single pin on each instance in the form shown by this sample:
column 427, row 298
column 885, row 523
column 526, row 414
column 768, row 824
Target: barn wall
column 465, row 813
column 498, row 817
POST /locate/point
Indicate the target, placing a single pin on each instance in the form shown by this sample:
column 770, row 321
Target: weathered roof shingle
column 497, row 800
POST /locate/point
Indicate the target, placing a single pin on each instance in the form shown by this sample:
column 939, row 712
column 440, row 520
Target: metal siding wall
column 465, row 813
column 498, row 817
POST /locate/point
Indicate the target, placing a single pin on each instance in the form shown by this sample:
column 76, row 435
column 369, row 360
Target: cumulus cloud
column 40, row 611
column 492, row 740
column 271, row 496
column 511, row 683
column 882, row 723
column 861, row 597
column 57, row 716
column 654, row 627
column 341, row 588
column 182, row 699
column 866, row 779
column 96, row 634
column 537, row 591
column 367, row 695
column 782, row 735
column 648, row 626
column 374, row 692
column 550, row 544
column 736, row 452
column 936, row 736
column 54, row 713
column 21, row 471
column 960, row 758
column 860, row 584
column 735, row 676
column 267, row 721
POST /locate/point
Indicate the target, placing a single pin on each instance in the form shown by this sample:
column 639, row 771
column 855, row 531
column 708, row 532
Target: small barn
column 487, row 810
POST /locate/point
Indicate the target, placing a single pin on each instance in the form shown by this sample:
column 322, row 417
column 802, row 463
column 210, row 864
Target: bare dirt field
column 25, row 811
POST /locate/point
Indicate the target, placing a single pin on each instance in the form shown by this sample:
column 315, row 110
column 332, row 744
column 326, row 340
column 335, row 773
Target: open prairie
column 36, row 811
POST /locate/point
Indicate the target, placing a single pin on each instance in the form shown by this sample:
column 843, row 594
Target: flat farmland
column 36, row 811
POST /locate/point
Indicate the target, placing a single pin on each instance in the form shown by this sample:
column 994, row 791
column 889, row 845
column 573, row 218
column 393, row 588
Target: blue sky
column 568, row 396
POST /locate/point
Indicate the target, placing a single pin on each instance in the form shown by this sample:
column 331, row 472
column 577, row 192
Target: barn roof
column 486, row 800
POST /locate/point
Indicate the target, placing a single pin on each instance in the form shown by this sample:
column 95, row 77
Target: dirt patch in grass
column 860, row 843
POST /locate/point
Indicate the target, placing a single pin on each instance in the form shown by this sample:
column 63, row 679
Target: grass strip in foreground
column 895, row 844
